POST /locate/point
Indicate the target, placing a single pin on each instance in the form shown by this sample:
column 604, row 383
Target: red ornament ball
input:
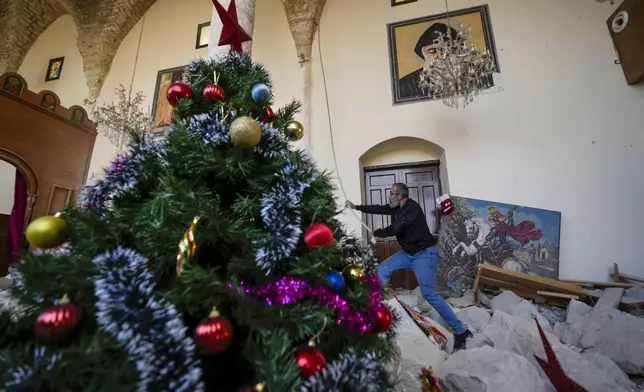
column 269, row 115
column 213, row 92
column 213, row 335
column 57, row 323
column 383, row 318
column 310, row 361
column 178, row 91
column 318, row 234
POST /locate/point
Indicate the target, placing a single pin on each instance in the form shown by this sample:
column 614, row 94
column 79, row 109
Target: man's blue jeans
column 423, row 264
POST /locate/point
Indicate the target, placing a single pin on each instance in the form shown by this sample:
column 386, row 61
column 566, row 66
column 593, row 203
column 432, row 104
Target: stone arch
column 20, row 27
column 30, row 175
column 404, row 150
column 101, row 26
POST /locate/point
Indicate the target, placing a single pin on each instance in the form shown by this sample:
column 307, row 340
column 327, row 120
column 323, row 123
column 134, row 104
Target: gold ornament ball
column 294, row 131
column 47, row 232
column 352, row 273
column 245, row 132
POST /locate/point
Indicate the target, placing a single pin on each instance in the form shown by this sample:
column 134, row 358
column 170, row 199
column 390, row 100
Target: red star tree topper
column 552, row 367
column 231, row 32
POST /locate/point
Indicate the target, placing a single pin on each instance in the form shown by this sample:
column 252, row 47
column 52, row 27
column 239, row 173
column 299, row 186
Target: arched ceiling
column 101, row 24
column 303, row 18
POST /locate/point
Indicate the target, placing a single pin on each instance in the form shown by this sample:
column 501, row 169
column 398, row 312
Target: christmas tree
column 210, row 260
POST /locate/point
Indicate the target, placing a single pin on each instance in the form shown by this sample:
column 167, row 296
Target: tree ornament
column 257, row 388
column 309, row 360
column 214, row 334
column 352, row 274
column 47, row 232
column 231, row 32
column 318, row 234
column 294, row 131
column 445, row 201
column 245, row 132
column 57, row 323
column 260, row 93
column 269, row 115
column 178, row 91
column 214, row 92
column 429, row 383
column 187, row 246
column 383, row 318
column 335, row 281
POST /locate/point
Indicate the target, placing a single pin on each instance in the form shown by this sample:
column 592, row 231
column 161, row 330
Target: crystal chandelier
column 459, row 70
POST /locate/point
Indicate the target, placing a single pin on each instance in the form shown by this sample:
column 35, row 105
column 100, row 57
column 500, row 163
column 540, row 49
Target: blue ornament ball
column 335, row 281
column 260, row 93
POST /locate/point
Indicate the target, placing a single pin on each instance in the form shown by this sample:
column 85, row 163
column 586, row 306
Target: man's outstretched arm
column 380, row 210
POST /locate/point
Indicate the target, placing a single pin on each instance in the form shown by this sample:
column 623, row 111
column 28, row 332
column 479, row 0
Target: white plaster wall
column 169, row 37
column 566, row 134
column 7, row 185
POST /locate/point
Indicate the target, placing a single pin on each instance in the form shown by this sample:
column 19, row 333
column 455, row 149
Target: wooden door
column 424, row 187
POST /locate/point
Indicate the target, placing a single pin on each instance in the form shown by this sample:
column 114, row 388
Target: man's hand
column 349, row 204
column 378, row 233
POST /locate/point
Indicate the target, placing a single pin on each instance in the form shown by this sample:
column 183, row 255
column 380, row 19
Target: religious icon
column 48, row 101
column 54, row 69
column 78, row 116
column 13, row 85
column 412, row 42
column 161, row 108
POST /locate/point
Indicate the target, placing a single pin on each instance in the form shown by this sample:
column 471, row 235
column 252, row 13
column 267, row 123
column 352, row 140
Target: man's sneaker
column 460, row 340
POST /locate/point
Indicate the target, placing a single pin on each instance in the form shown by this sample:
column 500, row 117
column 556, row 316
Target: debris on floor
column 597, row 344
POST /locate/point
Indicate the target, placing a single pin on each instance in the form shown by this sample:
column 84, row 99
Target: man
column 418, row 253
column 426, row 50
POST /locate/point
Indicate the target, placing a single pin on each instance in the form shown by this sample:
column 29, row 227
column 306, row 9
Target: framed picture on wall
column 401, row 2
column 411, row 42
column 203, row 35
column 161, row 108
column 54, row 69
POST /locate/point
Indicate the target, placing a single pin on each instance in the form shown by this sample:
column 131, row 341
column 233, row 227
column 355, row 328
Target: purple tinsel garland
column 289, row 291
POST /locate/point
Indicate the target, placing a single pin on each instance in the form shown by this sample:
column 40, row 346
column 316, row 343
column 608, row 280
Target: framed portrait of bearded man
column 413, row 42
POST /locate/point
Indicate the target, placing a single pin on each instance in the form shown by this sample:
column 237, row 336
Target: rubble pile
column 598, row 347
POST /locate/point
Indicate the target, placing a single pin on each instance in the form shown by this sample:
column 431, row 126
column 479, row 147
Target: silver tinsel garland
column 349, row 372
column 150, row 330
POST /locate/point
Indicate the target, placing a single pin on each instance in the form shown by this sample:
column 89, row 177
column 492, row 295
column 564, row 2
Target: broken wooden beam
column 526, row 286
column 625, row 278
column 526, row 281
column 598, row 285
column 557, row 295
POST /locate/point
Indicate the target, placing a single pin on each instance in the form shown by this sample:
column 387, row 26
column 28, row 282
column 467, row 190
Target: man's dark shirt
column 408, row 224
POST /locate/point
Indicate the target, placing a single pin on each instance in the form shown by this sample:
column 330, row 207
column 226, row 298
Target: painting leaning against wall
column 516, row 238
